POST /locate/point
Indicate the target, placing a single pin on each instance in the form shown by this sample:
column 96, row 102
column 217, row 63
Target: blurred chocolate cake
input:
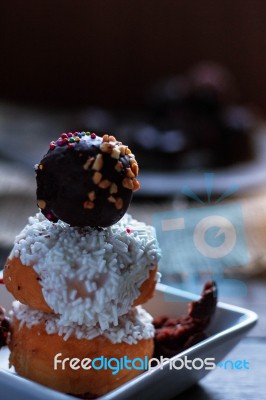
column 194, row 121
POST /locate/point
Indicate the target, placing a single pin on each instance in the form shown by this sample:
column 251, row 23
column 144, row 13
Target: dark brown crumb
column 4, row 328
column 173, row 335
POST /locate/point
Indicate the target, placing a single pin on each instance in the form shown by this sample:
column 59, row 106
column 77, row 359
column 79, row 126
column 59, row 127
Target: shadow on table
column 195, row 392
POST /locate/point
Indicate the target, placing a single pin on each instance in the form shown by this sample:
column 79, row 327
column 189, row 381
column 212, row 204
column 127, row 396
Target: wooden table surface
column 235, row 384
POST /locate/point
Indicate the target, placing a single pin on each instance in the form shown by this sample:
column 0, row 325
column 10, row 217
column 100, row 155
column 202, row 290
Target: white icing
column 132, row 327
column 88, row 276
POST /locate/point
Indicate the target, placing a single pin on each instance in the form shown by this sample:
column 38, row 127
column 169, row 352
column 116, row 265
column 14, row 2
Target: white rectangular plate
column 228, row 326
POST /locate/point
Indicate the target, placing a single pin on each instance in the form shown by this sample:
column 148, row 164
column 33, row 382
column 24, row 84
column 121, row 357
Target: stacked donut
column 80, row 270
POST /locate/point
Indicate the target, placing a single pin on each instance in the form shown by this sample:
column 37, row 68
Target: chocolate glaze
column 68, row 189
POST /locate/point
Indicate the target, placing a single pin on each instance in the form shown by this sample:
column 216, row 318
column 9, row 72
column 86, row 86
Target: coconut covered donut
column 86, row 275
column 38, row 337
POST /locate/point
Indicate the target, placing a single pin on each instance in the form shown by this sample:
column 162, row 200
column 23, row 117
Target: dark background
column 108, row 52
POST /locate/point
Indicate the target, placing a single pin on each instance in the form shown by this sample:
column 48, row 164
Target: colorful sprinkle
column 63, row 135
column 69, row 134
column 40, row 166
column 52, row 146
column 65, row 140
column 77, row 139
column 88, row 133
column 75, row 133
column 71, row 140
column 93, row 135
column 60, row 142
column 128, row 230
column 49, row 216
column 70, row 146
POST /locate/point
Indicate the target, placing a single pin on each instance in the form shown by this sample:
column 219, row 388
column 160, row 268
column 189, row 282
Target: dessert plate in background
column 36, row 129
column 227, row 327
column 243, row 176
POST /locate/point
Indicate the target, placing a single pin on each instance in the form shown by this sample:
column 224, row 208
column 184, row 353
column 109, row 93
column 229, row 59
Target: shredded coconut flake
column 132, row 327
column 89, row 276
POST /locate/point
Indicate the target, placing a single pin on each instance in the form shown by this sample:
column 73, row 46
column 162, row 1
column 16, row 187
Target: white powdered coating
column 132, row 327
column 89, row 276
